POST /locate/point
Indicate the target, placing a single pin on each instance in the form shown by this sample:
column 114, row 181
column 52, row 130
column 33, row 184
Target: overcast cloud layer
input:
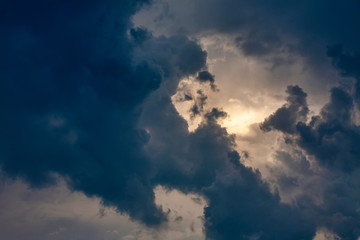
column 88, row 97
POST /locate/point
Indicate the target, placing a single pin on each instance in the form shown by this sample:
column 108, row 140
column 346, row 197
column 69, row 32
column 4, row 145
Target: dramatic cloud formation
column 86, row 97
column 285, row 118
column 332, row 138
column 280, row 33
column 71, row 94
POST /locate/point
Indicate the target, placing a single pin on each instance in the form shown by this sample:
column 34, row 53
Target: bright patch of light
column 239, row 123
column 186, row 213
column 240, row 118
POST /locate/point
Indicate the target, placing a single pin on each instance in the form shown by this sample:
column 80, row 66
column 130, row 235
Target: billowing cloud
column 240, row 204
column 71, row 93
column 332, row 140
column 263, row 27
column 286, row 118
column 290, row 38
column 86, row 96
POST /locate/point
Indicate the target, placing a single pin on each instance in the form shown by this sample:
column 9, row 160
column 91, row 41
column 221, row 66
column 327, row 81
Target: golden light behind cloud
column 241, row 118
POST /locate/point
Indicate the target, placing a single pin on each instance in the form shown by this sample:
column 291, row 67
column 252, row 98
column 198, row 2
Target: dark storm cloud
column 84, row 96
column 140, row 34
column 242, row 207
column 276, row 31
column 240, row 204
column 205, row 76
column 286, row 118
column 205, row 162
column 215, row 114
column 175, row 56
column 68, row 100
column 72, row 86
column 332, row 138
column 348, row 65
column 259, row 45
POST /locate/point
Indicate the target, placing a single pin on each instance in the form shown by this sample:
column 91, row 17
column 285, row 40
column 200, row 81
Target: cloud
column 85, row 96
column 347, row 64
column 240, row 204
column 72, row 88
column 281, row 34
column 242, row 207
column 331, row 137
column 332, row 140
column 286, row 118
column 199, row 104
column 205, row 76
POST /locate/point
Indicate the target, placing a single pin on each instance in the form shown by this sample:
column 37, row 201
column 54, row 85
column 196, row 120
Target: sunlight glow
column 239, row 122
column 240, row 118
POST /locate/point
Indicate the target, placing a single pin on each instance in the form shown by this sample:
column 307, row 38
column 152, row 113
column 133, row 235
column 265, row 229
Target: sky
column 180, row 119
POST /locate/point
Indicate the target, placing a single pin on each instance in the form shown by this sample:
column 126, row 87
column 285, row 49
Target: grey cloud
column 240, row 204
column 259, row 44
column 140, row 34
column 242, row 207
column 199, row 104
column 347, row 64
column 84, row 98
column 205, row 76
column 279, row 32
column 332, row 139
column 286, row 118
column 74, row 107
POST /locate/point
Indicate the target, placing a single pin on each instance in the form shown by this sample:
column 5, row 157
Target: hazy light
column 239, row 118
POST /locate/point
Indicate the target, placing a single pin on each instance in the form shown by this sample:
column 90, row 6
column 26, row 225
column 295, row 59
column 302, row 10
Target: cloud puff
column 205, row 76
column 286, row 118
column 332, row 139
